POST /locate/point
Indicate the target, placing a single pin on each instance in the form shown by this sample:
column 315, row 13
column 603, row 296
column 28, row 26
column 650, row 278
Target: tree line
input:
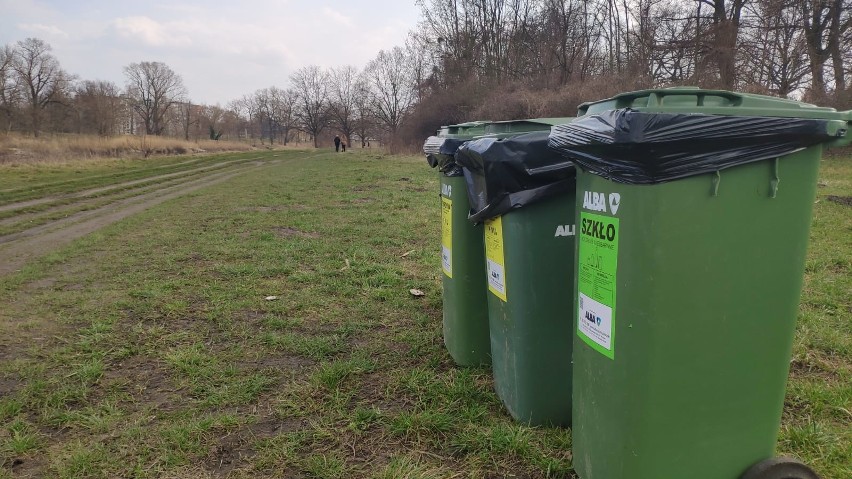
column 466, row 59
column 525, row 58
column 37, row 96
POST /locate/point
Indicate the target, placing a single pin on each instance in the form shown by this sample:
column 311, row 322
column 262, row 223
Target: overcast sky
column 221, row 49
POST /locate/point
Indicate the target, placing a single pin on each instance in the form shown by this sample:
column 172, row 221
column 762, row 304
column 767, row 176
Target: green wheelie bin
column 693, row 210
column 465, row 320
column 526, row 201
column 465, row 312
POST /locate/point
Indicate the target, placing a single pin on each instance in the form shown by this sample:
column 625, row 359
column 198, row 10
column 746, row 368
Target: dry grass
column 19, row 149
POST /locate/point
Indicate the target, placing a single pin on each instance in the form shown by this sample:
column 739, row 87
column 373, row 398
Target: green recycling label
column 596, row 282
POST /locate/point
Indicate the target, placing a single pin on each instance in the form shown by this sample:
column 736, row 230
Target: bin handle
column 846, row 138
column 655, row 97
column 550, row 168
column 773, row 183
column 717, row 179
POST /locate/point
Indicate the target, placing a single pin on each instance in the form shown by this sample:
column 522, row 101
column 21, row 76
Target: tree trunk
column 835, row 33
column 726, row 41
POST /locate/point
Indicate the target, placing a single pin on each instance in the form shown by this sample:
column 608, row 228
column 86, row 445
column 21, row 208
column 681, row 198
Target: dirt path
column 19, row 248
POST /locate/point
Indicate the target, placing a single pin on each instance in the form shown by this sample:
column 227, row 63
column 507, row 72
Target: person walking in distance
column 343, row 145
column 337, row 143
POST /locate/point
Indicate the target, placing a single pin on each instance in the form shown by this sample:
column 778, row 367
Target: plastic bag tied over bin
column 633, row 147
column 504, row 174
column 440, row 153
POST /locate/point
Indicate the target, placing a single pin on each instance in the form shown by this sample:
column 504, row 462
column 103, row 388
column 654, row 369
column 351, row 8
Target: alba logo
column 592, row 318
column 594, row 201
column 565, row 230
column 597, row 201
column 614, row 202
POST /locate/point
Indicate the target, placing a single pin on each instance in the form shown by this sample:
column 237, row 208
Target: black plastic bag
column 504, row 174
column 628, row 146
column 440, row 153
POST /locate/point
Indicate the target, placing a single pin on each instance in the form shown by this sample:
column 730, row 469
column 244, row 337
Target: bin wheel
column 780, row 468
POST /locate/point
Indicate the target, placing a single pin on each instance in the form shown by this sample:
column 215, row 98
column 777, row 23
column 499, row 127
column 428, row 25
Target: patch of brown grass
column 20, row 149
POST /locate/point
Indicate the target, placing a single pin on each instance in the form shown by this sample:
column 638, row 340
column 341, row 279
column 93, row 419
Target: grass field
column 148, row 348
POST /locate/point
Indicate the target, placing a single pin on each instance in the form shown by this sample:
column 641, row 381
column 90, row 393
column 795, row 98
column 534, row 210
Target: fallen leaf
column 271, row 298
column 416, row 292
column 406, row 254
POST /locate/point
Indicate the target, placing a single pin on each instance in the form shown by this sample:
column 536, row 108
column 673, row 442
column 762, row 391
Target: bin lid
column 638, row 146
column 439, row 149
column 507, row 173
column 711, row 102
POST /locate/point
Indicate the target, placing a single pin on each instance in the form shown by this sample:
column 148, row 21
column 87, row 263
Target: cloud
column 40, row 29
column 337, row 17
column 222, row 49
column 150, row 31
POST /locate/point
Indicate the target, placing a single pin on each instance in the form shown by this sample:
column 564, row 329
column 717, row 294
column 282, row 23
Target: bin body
column 524, row 193
column 465, row 314
column 681, row 357
column 529, row 312
column 465, row 320
column 693, row 211
column 465, row 317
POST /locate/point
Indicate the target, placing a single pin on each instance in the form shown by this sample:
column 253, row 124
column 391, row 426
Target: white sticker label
column 595, row 321
column 497, row 278
column 447, row 260
column 495, row 260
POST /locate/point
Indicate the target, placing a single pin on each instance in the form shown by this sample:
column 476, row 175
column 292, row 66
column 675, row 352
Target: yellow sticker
column 494, row 257
column 447, row 236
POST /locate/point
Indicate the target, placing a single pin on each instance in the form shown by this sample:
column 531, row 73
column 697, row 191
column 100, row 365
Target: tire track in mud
column 72, row 203
column 115, row 176
column 121, row 186
column 19, row 248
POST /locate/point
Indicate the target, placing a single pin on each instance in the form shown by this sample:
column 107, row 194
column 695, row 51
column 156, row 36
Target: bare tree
column 342, row 89
column 364, row 123
column 275, row 112
column 188, row 115
column 311, row 85
column 155, row 89
column 283, row 111
column 98, row 104
column 230, row 124
column 775, row 48
column 263, row 109
column 825, row 24
column 391, row 87
column 567, row 34
column 8, row 90
column 39, row 78
column 213, row 118
column 245, row 109
column 716, row 43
